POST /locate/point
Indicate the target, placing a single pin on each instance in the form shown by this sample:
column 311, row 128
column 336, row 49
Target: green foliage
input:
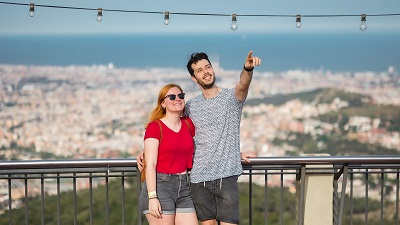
column 282, row 99
column 359, row 105
column 273, row 201
column 83, row 207
column 388, row 114
column 343, row 146
column 18, row 150
column 329, row 94
column 334, row 145
column 321, row 95
column 374, row 206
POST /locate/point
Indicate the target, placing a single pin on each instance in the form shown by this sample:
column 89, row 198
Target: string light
column 31, row 9
column 166, row 18
column 363, row 25
column 234, row 25
column 99, row 15
column 298, row 21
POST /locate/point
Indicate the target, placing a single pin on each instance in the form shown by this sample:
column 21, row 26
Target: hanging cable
column 233, row 16
column 191, row 14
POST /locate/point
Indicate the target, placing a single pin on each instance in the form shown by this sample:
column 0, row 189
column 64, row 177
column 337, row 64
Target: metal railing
column 346, row 171
column 371, row 180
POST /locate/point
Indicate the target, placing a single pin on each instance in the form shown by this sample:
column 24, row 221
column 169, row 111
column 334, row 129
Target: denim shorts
column 173, row 192
column 217, row 199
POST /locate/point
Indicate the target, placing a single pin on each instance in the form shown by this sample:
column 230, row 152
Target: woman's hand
column 139, row 161
column 155, row 208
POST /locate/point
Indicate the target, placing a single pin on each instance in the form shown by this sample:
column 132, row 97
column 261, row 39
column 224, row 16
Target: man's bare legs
column 214, row 222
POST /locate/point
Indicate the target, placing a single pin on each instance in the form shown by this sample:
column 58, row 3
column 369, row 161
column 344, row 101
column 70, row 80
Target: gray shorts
column 217, row 199
column 173, row 193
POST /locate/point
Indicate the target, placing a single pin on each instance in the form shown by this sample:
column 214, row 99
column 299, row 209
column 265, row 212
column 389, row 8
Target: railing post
column 266, row 197
column 339, row 207
column 42, row 195
column 9, row 199
column 75, row 199
column 123, row 197
column 91, row 198
column 26, row 200
column 250, row 197
column 138, row 191
column 300, row 191
column 315, row 199
column 59, row 201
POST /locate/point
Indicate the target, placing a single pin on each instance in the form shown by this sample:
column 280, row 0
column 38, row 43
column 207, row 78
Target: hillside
column 321, row 95
column 346, row 139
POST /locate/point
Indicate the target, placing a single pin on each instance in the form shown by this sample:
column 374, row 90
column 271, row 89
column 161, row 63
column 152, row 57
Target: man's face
column 204, row 74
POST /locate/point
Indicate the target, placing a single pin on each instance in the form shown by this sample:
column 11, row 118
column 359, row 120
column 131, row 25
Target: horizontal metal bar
column 39, row 176
column 298, row 160
column 73, row 163
column 110, row 170
column 377, row 161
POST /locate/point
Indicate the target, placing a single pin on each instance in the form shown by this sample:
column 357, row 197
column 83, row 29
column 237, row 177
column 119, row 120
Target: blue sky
column 14, row 19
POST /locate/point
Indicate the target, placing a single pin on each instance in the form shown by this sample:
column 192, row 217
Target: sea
column 359, row 51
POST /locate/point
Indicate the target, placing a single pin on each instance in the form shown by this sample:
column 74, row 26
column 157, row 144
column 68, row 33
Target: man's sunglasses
column 172, row 97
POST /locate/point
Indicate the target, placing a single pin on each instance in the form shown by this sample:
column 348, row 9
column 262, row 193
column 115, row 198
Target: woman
column 168, row 147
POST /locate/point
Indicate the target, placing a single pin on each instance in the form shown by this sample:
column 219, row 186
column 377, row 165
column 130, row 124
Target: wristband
column 152, row 194
column 248, row 70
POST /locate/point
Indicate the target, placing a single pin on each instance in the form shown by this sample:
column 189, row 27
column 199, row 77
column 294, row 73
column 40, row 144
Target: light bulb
column 363, row 25
column 298, row 21
column 31, row 10
column 234, row 25
column 99, row 15
column 166, row 18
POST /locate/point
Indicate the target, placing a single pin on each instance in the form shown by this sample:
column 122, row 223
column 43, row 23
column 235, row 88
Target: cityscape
column 99, row 111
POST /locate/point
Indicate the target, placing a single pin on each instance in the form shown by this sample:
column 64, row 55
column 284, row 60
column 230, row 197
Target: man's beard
column 206, row 86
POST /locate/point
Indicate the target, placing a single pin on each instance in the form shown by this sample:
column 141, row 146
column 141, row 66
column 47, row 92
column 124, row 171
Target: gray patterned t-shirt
column 217, row 140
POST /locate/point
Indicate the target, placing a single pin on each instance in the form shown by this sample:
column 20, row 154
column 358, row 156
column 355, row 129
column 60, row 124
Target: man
column 216, row 114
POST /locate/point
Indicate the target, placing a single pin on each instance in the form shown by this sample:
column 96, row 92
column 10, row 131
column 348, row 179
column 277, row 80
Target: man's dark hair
column 194, row 58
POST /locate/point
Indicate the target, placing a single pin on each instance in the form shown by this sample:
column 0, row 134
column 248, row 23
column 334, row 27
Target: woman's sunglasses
column 172, row 97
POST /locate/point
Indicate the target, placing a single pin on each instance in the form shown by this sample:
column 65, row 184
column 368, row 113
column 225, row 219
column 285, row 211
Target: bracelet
column 152, row 197
column 152, row 194
column 248, row 70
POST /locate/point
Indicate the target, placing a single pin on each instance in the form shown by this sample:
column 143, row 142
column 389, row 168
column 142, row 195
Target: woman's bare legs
column 164, row 220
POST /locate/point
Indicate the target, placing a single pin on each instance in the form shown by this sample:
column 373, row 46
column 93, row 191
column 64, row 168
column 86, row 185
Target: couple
column 212, row 119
